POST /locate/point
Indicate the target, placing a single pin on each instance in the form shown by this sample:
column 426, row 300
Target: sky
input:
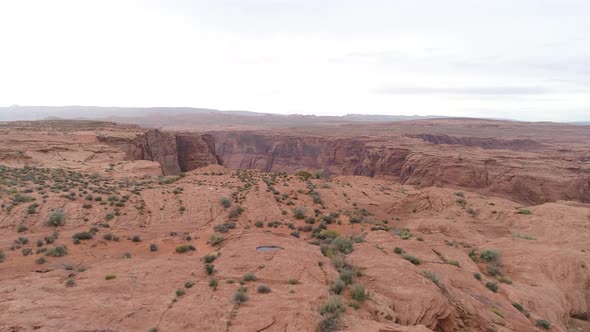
column 519, row 59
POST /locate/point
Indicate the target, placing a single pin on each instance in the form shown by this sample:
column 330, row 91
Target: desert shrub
column 109, row 216
column 185, row 248
column 153, row 247
column 70, row 282
column 216, row 239
column 235, row 212
column 520, row 308
column 110, row 277
column 213, row 283
column 41, row 260
column 524, row 211
column 494, row 271
column 328, row 233
column 225, row 202
column 492, row 286
column 225, row 227
column 249, row 277
column 58, row 251
column 398, row 250
column 356, row 219
column 315, row 196
column 299, row 212
column 338, row 286
column 453, row 262
column 188, row 284
column 295, row 234
column 431, row 276
column 342, row 244
column 110, row 237
column 477, row 276
column 333, row 305
column 240, row 296
column 358, row 293
column 136, row 238
column 209, row 258
column 210, row 268
column 56, row 218
column 180, row 292
column 347, row 275
column 304, row 175
column 472, row 212
column 21, row 228
column 293, row 281
column 460, row 194
column 411, row 259
column 259, row 224
column 87, row 206
column 263, row 289
column 2, row 256
column 489, row 255
column 504, row 280
column 27, row 251
column 82, row 236
column 543, row 323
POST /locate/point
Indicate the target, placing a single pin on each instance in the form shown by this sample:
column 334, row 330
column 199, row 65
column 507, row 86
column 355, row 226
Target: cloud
column 482, row 91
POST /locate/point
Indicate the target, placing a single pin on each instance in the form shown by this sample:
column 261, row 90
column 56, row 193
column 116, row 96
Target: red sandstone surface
column 444, row 225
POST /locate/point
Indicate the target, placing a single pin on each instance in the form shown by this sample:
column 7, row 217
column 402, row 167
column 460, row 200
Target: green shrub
column 492, row 286
column 58, row 251
column 299, row 212
column 358, row 293
column 338, row 286
column 432, row 277
column 136, row 238
column 188, row 284
column 216, row 239
column 332, row 306
column 342, row 244
column 411, row 259
column 398, row 250
column 210, row 268
column 82, row 236
column 293, row 281
column 209, row 258
column 489, row 255
column 213, row 283
column 185, row 248
column 87, row 206
column 477, row 276
column 240, row 296
column 153, row 247
column 225, row 202
column 520, row 308
column 543, row 323
column 525, row 211
column 27, row 251
column 2, row 256
column 263, row 289
column 41, row 260
column 180, row 292
column 259, row 224
column 56, row 218
column 110, row 277
column 21, row 228
column 249, row 277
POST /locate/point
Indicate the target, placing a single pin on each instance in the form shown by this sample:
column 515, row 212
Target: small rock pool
column 269, row 248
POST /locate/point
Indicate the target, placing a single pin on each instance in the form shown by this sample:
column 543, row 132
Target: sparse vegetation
column 489, row 255
column 492, row 286
column 58, row 251
column 249, row 277
column 263, row 289
column 525, row 211
column 358, row 292
column 543, row 324
column 411, row 259
column 56, row 218
column 185, row 248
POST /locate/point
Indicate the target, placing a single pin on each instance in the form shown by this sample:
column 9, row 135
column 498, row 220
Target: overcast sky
column 522, row 59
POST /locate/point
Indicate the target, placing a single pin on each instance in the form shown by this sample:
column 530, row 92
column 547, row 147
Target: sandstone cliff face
column 532, row 178
column 175, row 152
column 268, row 152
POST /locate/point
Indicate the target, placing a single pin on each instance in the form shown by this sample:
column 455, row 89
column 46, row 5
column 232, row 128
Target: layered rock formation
column 175, row 152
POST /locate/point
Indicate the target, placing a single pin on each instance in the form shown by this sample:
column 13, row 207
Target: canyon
column 430, row 225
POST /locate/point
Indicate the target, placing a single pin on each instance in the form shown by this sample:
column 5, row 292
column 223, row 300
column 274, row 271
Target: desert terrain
column 419, row 225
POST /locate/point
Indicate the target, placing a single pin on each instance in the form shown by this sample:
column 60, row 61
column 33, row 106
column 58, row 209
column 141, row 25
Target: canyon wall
column 520, row 170
column 175, row 152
